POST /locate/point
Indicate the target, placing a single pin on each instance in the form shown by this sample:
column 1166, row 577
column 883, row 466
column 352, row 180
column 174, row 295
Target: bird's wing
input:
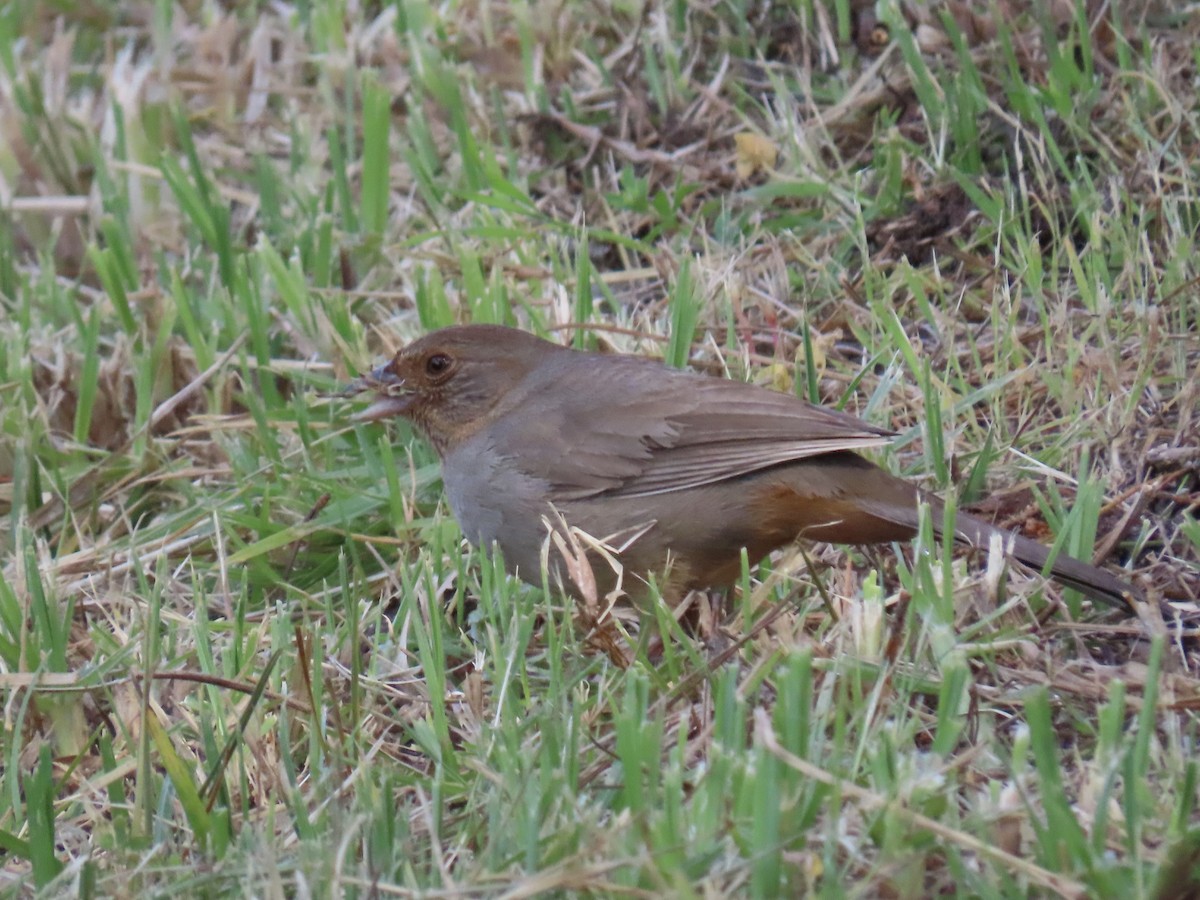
column 663, row 430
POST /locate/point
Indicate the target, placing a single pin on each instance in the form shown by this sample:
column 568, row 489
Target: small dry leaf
column 1006, row 833
column 754, row 152
column 930, row 39
column 498, row 62
column 820, row 345
column 777, row 377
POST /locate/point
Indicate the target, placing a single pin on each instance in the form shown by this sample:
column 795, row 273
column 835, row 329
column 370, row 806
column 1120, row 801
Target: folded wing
column 669, row 430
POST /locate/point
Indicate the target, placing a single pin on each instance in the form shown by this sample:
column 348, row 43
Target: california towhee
column 680, row 471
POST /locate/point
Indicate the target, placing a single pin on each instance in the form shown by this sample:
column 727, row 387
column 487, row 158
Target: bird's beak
column 392, row 398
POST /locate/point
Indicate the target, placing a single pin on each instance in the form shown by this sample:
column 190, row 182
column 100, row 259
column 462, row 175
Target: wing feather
column 674, row 431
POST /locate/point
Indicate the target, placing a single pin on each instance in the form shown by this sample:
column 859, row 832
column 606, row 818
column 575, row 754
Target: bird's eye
column 438, row 364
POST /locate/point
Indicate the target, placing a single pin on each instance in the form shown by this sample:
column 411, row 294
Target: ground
column 242, row 644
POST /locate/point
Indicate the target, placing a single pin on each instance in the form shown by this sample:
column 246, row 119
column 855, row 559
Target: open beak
column 392, row 398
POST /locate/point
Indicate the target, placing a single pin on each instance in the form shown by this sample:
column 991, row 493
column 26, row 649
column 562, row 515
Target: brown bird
column 676, row 470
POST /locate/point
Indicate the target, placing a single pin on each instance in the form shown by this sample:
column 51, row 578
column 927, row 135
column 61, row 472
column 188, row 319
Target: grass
column 243, row 647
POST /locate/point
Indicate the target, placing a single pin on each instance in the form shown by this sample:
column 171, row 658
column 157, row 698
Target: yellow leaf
column 777, row 377
column 819, row 357
column 754, row 152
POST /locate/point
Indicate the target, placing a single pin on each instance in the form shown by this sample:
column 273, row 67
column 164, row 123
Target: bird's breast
column 495, row 502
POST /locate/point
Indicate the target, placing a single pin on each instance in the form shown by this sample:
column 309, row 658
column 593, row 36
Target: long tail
column 881, row 507
column 1084, row 577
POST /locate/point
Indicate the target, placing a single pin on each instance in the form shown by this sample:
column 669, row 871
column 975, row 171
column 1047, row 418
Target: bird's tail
column 844, row 498
column 1084, row 577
